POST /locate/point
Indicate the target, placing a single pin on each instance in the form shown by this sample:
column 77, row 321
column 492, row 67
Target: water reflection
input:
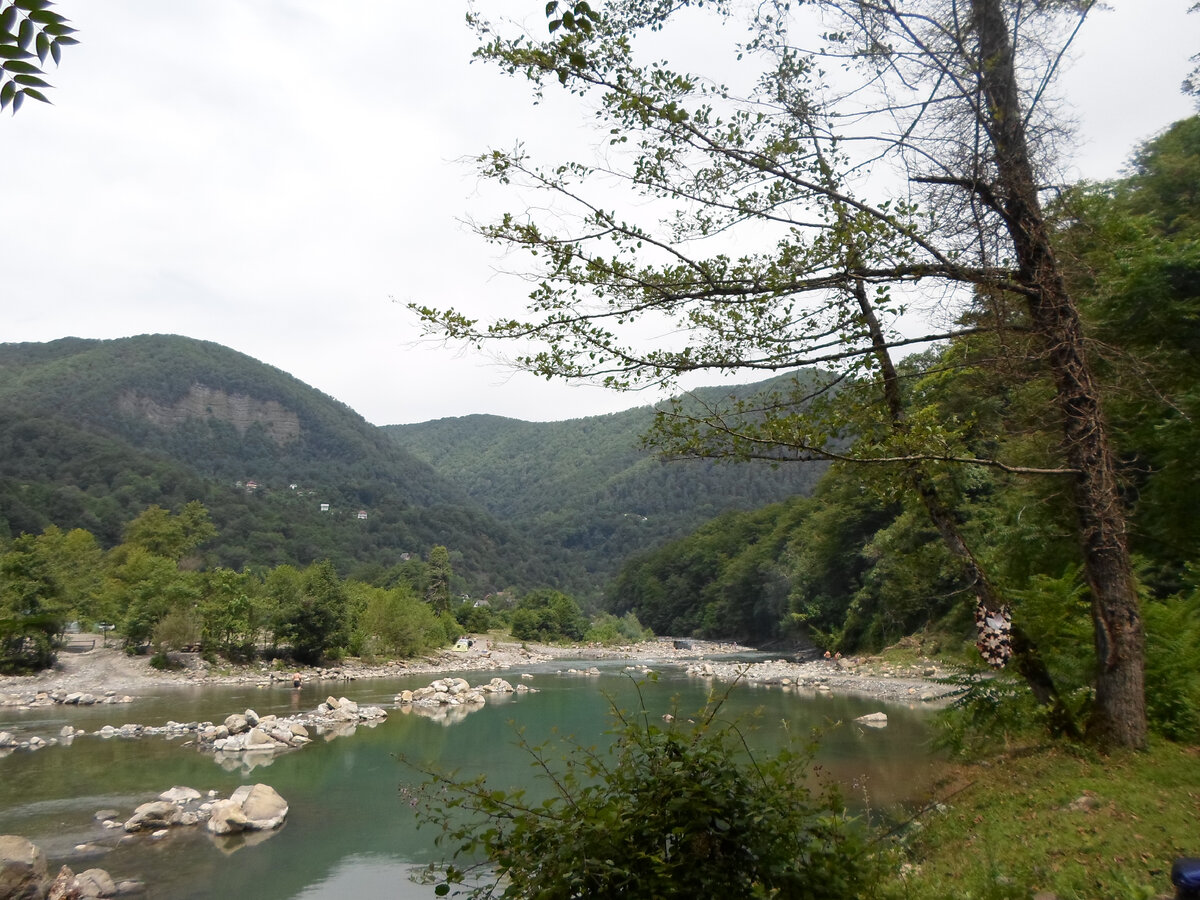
column 348, row 832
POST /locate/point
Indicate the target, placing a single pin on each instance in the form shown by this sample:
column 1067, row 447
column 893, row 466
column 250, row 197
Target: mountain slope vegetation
column 93, row 432
column 589, row 487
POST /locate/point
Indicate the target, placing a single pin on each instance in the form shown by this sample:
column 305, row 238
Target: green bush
column 548, row 615
column 609, row 629
column 683, row 811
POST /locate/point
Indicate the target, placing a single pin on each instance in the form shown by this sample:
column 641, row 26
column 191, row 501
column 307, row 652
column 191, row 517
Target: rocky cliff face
column 200, row 402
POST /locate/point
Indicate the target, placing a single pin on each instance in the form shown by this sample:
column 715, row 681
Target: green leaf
column 46, row 17
column 551, row 7
column 55, row 52
column 25, row 34
column 43, row 46
column 8, row 51
column 65, row 41
column 6, row 93
column 17, row 65
column 18, row 99
column 30, row 81
column 29, row 5
column 59, row 30
column 36, row 95
column 8, row 18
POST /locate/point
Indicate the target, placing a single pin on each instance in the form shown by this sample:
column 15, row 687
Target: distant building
column 362, row 514
column 251, row 487
column 324, row 507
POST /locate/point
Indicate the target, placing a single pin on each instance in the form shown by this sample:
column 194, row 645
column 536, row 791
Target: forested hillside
column 93, row 432
column 589, row 487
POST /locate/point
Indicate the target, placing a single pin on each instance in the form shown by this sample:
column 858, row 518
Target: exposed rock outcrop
column 201, row 402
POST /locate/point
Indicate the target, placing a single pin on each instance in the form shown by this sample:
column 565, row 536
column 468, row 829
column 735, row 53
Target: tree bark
column 1119, row 712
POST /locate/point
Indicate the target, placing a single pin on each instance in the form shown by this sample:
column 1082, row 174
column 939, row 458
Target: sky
column 283, row 176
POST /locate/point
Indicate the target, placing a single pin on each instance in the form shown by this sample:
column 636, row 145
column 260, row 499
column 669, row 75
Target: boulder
column 7, row 739
column 262, row 806
column 96, row 883
column 226, row 817
column 251, row 808
column 257, row 739
column 237, row 723
column 23, row 873
column 873, row 720
column 179, row 794
column 153, row 815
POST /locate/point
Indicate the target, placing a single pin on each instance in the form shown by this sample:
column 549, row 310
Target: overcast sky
column 280, row 176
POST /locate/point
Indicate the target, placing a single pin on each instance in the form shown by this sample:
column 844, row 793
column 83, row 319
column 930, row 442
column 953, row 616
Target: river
column 349, row 832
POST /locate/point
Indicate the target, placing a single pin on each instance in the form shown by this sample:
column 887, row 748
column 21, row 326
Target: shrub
column 608, row 629
column 683, row 811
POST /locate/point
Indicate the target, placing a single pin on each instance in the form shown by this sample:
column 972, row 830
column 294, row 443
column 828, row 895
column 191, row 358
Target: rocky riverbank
column 864, row 676
column 249, row 815
column 108, row 675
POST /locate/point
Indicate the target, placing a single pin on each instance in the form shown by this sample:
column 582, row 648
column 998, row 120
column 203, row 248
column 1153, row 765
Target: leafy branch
column 29, row 30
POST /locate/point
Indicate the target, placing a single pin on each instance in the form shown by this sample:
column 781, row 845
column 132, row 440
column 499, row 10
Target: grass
column 1068, row 822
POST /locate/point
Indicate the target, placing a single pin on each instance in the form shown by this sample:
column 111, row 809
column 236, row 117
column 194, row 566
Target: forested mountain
column 588, row 487
column 93, row 432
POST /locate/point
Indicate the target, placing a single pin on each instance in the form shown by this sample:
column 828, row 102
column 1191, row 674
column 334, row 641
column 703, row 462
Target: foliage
column 178, row 629
column 393, row 623
column 586, row 492
column 548, row 615
column 438, row 575
column 608, row 629
column 724, row 581
column 1172, row 672
column 313, row 621
column 86, row 446
column 28, row 29
column 474, row 619
column 159, row 533
column 26, row 642
column 682, row 811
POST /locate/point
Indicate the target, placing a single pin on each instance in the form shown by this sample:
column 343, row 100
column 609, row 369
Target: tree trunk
column 1026, row 659
column 1119, row 714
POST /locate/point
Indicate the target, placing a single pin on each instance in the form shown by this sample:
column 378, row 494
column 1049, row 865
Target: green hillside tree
column 438, row 573
column 313, row 620
column 952, row 99
column 548, row 615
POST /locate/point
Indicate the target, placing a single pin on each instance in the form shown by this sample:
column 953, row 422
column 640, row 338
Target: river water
column 350, row 832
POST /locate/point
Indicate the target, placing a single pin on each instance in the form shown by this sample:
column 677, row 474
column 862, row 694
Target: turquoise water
column 350, row 832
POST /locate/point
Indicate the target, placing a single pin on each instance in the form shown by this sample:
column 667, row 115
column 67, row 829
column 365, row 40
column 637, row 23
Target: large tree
column 880, row 151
